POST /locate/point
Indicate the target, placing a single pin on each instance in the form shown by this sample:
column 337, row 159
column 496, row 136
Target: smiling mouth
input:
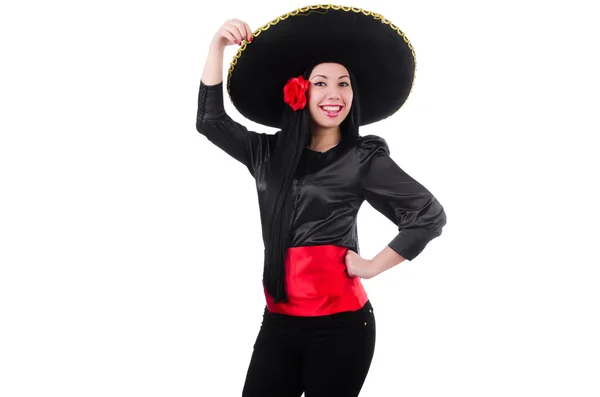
column 332, row 111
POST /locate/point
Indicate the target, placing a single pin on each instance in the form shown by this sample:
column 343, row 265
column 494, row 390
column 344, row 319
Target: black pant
column 324, row 356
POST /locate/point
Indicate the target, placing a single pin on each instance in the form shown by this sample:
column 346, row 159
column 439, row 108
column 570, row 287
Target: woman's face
column 329, row 94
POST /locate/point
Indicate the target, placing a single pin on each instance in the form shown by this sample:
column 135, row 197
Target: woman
column 302, row 75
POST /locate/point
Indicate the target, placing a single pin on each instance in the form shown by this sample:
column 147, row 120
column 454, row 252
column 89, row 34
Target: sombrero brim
column 377, row 52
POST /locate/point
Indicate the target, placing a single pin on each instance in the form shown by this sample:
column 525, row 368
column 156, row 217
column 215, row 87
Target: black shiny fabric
column 330, row 187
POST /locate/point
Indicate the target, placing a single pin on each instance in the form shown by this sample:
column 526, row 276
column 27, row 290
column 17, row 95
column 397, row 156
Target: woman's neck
column 323, row 139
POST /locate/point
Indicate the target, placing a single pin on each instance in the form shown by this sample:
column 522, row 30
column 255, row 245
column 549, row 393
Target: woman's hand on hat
column 233, row 32
column 357, row 266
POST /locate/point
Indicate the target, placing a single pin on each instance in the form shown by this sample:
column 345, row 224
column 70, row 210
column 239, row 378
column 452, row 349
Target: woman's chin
column 329, row 123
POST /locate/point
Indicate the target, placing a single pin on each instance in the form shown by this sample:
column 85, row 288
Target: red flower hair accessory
column 294, row 92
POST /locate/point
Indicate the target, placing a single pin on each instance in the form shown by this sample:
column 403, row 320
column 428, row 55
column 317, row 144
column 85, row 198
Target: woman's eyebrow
column 325, row 77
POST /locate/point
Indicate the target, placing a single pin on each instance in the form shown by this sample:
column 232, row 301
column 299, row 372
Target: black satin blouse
column 330, row 187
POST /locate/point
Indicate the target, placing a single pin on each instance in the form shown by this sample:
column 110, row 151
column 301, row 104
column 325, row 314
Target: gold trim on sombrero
column 314, row 8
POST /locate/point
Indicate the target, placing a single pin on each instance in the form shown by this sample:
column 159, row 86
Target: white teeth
column 331, row 108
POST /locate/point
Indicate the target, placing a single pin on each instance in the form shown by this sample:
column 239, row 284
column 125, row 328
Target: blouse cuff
column 210, row 101
column 411, row 242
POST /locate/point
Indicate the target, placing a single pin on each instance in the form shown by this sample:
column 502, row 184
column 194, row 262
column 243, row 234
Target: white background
column 120, row 224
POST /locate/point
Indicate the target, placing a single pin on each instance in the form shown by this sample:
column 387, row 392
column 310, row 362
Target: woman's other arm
column 248, row 147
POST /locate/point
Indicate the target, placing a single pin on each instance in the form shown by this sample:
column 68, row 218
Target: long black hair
column 294, row 137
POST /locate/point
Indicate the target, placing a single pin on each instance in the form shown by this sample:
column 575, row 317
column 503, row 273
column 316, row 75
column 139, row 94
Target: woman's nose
column 334, row 95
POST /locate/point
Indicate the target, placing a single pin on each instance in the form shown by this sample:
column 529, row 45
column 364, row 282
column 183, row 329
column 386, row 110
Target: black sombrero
column 377, row 51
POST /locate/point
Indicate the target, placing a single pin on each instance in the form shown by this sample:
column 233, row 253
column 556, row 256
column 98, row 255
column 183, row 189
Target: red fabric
column 317, row 283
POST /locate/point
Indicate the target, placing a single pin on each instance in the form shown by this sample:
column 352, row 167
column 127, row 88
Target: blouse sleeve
column 404, row 201
column 248, row 147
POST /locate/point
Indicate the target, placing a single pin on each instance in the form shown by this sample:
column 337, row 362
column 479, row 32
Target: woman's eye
column 322, row 84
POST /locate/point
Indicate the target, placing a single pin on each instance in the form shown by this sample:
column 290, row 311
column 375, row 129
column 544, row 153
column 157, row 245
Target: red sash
column 317, row 283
